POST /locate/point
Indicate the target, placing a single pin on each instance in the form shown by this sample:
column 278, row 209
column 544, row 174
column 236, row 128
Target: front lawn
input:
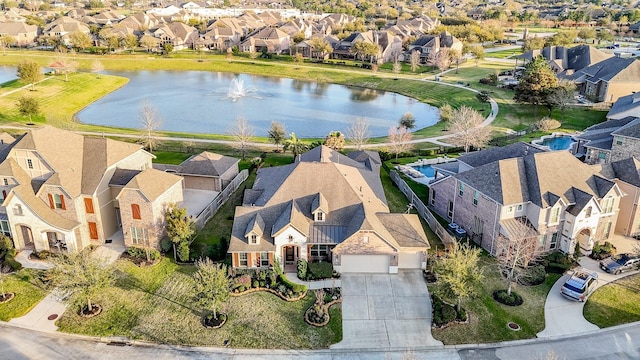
column 615, row 303
column 488, row 319
column 27, row 296
column 154, row 304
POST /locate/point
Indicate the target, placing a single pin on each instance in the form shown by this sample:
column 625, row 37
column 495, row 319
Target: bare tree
column 399, row 140
column 414, row 60
column 242, row 132
column 96, row 67
column 441, row 59
column 65, row 64
column 562, row 95
column 358, row 133
column 466, row 126
column 517, row 252
column 397, row 67
column 149, row 121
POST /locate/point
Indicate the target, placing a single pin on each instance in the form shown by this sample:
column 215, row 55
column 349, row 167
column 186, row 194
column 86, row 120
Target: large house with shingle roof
column 325, row 207
column 609, row 79
column 565, row 61
column 64, row 191
column 625, row 106
column 550, row 195
column 609, row 141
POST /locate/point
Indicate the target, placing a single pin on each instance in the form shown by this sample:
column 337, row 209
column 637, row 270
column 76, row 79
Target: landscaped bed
column 615, row 303
column 155, row 304
column 488, row 318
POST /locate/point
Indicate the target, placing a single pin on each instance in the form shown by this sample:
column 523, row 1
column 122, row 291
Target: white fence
column 422, row 209
column 217, row 202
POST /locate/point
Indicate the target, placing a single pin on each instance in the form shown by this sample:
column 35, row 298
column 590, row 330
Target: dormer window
column 253, row 239
column 555, row 215
column 319, row 216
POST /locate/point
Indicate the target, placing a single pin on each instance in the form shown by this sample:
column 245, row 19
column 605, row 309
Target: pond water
column 210, row 102
column 562, row 142
column 7, row 73
column 426, row 170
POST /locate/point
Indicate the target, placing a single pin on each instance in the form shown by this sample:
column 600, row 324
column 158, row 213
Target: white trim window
column 138, row 236
column 264, row 259
column 607, row 205
column 242, row 260
column 555, row 215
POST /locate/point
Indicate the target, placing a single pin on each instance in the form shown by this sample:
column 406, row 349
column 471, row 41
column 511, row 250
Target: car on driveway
column 581, row 284
column 619, row 263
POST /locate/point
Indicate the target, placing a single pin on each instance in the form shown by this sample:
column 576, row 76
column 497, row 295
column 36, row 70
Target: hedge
column 296, row 288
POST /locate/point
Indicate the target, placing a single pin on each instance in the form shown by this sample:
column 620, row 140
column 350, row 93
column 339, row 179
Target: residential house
column 141, row 22
column 24, row 34
column 609, row 79
column 550, row 195
column 417, row 26
column 307, row 51
column 609, row 141
column 180, row 35
column 626, row 106
column 390, row 46
column 64, row 191
column 63, row 27
column 428, row 45
column 325, row 207
column 626, row 173
column 565, row 61
column 267, row 39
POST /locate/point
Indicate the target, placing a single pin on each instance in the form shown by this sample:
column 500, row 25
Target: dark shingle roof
column 631, row 129
column 483, row 157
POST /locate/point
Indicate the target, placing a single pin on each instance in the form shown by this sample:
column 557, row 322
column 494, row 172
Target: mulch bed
column 211, row 323
column 307, row 317
column 6, row 297
column 95, row 311
column 141, row 262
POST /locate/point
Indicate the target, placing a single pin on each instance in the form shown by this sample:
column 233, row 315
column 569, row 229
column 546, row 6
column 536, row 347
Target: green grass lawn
column 488, row 319
column 615, row 303
column 154, row 304
column 167, row 157
column 503, row 54
column 27, row 296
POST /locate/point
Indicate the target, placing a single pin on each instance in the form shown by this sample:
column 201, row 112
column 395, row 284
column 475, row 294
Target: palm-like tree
column 297, row 147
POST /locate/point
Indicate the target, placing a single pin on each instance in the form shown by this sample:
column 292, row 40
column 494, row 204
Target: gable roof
column 479, row 158
column 152, row 183
column 207, row 164
column 631, row 129
column 625, row 106
column 615, row 68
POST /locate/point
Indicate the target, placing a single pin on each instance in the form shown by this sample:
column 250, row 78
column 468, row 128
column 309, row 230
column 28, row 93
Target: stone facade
column 624, row 147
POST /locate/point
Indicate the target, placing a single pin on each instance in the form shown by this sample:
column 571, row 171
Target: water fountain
column 237, row 90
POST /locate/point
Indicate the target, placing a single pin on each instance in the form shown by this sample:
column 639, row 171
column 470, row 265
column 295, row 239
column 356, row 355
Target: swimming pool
column 426, row 170
column 556, row 142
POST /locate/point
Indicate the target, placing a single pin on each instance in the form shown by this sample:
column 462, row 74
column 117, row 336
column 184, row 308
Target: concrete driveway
column 382, row 311
column 565, row 317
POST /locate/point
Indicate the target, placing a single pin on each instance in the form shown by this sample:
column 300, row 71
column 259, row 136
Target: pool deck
column 423, row 162
column 539, row 142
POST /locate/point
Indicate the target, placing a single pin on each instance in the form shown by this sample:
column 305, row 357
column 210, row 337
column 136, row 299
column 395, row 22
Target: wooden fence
column 220, row 199
column 423, row 211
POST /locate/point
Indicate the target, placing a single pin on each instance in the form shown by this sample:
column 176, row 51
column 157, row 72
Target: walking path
column 314, row 285
column 565, row 317
column 38, row 317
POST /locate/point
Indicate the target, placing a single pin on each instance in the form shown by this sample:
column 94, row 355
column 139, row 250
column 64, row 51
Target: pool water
column 427, row 170
column 558, row 142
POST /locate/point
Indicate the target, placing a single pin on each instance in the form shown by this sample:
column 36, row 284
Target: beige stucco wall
column 629, row 217
column 201, row 183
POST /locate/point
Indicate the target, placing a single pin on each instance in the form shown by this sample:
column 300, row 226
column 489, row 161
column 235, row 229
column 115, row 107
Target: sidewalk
column 38, row 317
column 314, row 285
column 23, row 258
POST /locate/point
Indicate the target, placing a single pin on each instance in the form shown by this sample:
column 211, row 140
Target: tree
column 180, row 228
column 358, row 133
column 536, row 83
column 96, row 67
column 562, row 38
column 399, row 140
column 320, row 46
column 242, row 132
column 80, row 40
column 28, row 106
column 441, row 59
column 533, row 43
column 414, row 59
column 407, row 120
column 365, row 49
column 130, row 41
column 446, row 112
column 297, row 147
column 149, row 42
column 167, row 48
column 64, row 64
column 30, row 72
column 148, row 118
column 211, row 285
column 477, row 51
column 459, row 272
column 517, row 253
column 335, row 140
column 466, row 127
column 604, row 35
column 562, row 95
column 587, row 33
column 6, row 41
column 277, row 133
column 298, row 58
column 81, row 276
column 397, row 67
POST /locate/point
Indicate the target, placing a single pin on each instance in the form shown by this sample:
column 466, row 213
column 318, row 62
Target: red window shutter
column 62, row 202
column 135, row 211
column 4, row 194
column 51, row 204
column 88, row 205
column 93, row 231
column 236, row 261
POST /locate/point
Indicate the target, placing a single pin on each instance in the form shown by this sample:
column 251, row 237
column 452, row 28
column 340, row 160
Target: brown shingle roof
column 152, row 183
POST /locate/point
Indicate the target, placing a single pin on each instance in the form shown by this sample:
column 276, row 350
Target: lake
column 210, row 102
column 7, row 73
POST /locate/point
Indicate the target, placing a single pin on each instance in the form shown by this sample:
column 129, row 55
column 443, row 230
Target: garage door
column 409, row 260
column 365, row 264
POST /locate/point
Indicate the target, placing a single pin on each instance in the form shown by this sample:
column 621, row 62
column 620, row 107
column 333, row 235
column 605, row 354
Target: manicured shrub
column 5, row 242
column 558, row 262
column 602, row 251
column 255, row 284
column 141, row 253
column 42, row 255
column 319, row 270
column 242, row 281
column 183, row 251
column 547, row 124
column 535, row 275
column 12, row 263
column 301, row 269
column 448, row 313
column 296, row 288
column 166, row 245
column 503, row 297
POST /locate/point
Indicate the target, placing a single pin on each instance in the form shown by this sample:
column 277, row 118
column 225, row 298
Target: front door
column 27, row 236
column 290, row 255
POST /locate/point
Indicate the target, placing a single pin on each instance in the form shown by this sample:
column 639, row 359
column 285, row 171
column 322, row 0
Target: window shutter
column 4, row 194
column 135, row 211
column 51, row 204
column 88, row 205
column 93, row 231
column 62, row 202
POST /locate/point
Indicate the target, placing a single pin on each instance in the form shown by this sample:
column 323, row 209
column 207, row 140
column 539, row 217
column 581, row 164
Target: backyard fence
column 423, row 211
column 220, row 199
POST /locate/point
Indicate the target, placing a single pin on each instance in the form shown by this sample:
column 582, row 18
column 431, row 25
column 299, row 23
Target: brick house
column 609, row 141
column 65, row 195
column 608, row 79
column 551, row 195
column 325, row 207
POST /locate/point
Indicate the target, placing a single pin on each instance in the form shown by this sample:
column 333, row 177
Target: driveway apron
column 381, row 311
